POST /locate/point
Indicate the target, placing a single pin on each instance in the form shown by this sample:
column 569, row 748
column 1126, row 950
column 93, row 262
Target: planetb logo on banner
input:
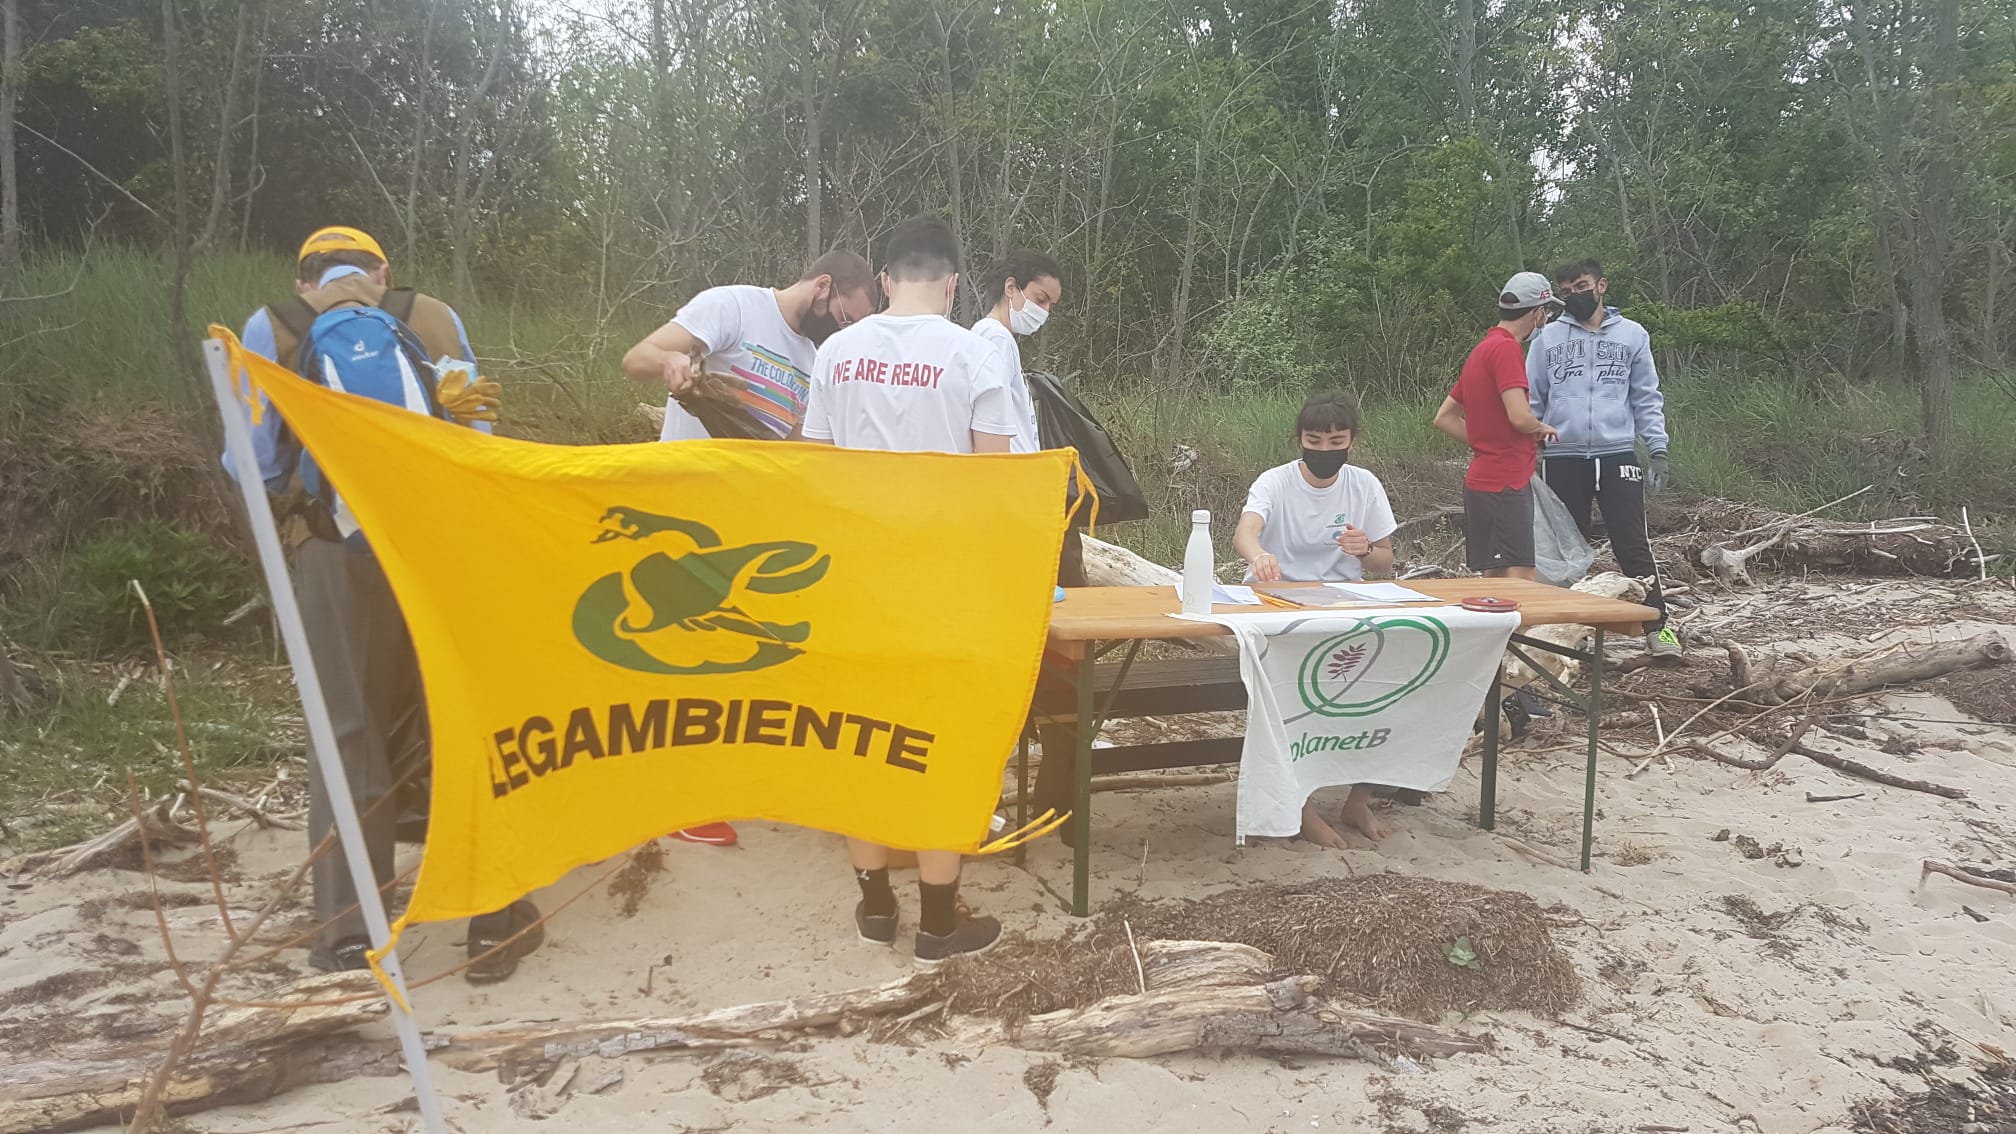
column 1338, row 699
column 1372, row 665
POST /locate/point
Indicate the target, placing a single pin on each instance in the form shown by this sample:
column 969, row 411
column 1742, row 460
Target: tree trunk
column 227, row 129
column 464, row 220
column 1193, row 203
column 10, row 199
column 252, row 174
column 808, row 70
column 426, row 73
column 1933, row 248
column 1990, row 332
column 182, row 341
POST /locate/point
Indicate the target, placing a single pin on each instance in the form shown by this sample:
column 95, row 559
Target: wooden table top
column 1106, row 613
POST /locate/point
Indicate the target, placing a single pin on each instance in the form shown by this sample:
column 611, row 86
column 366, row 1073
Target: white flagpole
column 321, row 734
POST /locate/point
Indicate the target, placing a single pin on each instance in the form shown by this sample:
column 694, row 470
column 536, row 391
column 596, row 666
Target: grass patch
column 67, row 760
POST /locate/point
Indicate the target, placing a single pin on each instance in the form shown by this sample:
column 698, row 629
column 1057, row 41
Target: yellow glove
column 466, row 396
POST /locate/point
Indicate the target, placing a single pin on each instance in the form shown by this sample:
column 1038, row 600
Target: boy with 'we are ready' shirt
column 911, row 380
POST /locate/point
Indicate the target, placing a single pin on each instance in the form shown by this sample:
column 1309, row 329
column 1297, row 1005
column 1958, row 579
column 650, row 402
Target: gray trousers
column 371, row 681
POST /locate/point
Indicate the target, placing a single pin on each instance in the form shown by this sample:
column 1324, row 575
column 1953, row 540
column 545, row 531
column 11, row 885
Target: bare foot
column 1319, row 832
column 1358, row 815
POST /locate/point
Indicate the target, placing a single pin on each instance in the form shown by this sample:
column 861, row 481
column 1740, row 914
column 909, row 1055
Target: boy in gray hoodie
column 1590, row 376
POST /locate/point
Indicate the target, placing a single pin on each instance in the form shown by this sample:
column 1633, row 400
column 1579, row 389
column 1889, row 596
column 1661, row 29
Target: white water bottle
column 1199, row 572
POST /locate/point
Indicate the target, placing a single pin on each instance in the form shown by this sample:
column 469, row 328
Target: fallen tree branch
column 1857, row 768
column 1913, row 545
column 65, row 861
column 257, row 814
column 1930, row 867
column 1201, row 995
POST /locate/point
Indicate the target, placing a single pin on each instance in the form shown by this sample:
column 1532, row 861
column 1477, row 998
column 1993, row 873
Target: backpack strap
column 293, row 315
column 398, row 303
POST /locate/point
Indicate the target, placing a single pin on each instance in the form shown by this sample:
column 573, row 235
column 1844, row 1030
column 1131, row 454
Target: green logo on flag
column 692, row 593
column 1370, row 667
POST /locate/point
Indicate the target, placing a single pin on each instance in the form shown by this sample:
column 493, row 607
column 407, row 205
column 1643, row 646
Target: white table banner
column 1382, row 697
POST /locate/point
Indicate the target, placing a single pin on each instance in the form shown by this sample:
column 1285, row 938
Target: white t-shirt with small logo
column 909, row 383
column 1027, row 438
column 1302, row 521
column 745, row 334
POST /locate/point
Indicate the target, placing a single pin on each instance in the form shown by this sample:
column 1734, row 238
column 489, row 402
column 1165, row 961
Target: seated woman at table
column 1320, row 519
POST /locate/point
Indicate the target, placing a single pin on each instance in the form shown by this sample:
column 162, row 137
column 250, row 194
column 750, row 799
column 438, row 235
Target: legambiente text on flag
column 621, row 641
column 1362, row 698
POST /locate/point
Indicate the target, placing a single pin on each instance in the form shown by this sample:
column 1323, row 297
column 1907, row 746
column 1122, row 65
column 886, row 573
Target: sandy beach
column 1721, row 992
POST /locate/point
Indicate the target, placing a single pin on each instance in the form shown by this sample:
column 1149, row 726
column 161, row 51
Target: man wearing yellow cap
column 356, row 633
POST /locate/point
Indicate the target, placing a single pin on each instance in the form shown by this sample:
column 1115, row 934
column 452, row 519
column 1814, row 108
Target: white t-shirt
column 910, row 383
column 745, row 335
column 1302, row 521
column 1027, row 438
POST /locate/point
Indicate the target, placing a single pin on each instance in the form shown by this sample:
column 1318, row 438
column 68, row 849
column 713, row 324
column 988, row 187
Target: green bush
column 191, row 582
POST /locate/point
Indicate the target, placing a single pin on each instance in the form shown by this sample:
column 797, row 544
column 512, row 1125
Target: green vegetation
column 1808, row 203
column 66, row 771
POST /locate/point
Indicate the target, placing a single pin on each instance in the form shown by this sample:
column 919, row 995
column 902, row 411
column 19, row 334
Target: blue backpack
column 367, row 351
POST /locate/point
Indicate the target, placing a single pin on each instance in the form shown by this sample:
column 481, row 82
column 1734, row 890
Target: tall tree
column 10, row 191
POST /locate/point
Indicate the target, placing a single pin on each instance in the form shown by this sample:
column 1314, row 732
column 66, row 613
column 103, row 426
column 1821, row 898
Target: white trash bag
column 1561, row 557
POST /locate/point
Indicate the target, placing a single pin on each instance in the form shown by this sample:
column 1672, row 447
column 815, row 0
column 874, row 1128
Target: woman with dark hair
column 1320, row 519
column 1019, row 292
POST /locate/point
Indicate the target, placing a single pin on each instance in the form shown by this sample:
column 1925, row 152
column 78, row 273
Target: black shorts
column 1498, row 528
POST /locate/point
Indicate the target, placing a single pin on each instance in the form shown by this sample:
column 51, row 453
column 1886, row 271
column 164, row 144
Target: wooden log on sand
column 1197, row 994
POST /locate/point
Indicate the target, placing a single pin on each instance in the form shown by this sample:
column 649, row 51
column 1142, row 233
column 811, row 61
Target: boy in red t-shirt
column 1487, row 410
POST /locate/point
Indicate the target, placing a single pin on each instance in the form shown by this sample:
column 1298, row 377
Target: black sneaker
column 971, row 935
column 346, row 956
column 876, row 929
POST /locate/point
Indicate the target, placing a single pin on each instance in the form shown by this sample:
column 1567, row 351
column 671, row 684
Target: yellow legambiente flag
column 621, row 641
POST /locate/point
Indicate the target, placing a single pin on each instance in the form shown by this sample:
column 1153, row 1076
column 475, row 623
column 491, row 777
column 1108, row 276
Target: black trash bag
column 1064, row 423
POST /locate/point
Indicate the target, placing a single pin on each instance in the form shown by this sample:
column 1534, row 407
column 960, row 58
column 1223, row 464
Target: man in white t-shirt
column 911, row 380
column 1321, row 519
column 764, row 336
column 1019, row 293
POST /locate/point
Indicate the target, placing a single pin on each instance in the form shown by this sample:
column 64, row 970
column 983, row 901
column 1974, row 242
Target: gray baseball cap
column 1528, row 290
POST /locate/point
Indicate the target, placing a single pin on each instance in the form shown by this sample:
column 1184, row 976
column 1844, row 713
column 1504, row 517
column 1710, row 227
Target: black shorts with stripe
column 1498, row 528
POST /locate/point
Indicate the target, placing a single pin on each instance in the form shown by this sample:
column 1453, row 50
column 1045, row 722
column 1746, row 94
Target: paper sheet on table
column 1226, row 595
column 1381, row 592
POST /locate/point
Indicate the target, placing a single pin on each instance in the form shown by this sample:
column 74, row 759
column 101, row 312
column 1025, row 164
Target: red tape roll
column 1491, row 605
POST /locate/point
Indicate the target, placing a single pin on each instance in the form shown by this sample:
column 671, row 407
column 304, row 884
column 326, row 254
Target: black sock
column 940, row 914
column 877, row 899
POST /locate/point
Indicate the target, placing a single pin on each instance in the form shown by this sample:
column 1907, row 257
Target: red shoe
column 712, row 834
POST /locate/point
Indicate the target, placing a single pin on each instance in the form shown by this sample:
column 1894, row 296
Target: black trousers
column 1616, row 484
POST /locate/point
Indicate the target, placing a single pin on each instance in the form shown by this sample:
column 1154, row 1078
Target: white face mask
column 1028, row 318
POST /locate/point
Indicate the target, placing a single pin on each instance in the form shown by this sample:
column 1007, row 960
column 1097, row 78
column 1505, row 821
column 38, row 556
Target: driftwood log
column 62, row 862
column 1772, row 680
column 1609, row 584
column 1209, row 995
column 1729, row 537
column 1110, row 565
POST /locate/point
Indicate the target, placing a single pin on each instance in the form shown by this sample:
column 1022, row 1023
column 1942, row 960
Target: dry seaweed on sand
column 1986, row 1102
column 633, row 881
column 1984, row 694
column 1023, row 978
column 1415, row 946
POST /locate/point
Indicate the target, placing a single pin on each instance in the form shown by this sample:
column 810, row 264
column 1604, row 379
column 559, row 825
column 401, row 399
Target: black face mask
column 1324, row 463
column 1581, row 305
column 818, row 325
